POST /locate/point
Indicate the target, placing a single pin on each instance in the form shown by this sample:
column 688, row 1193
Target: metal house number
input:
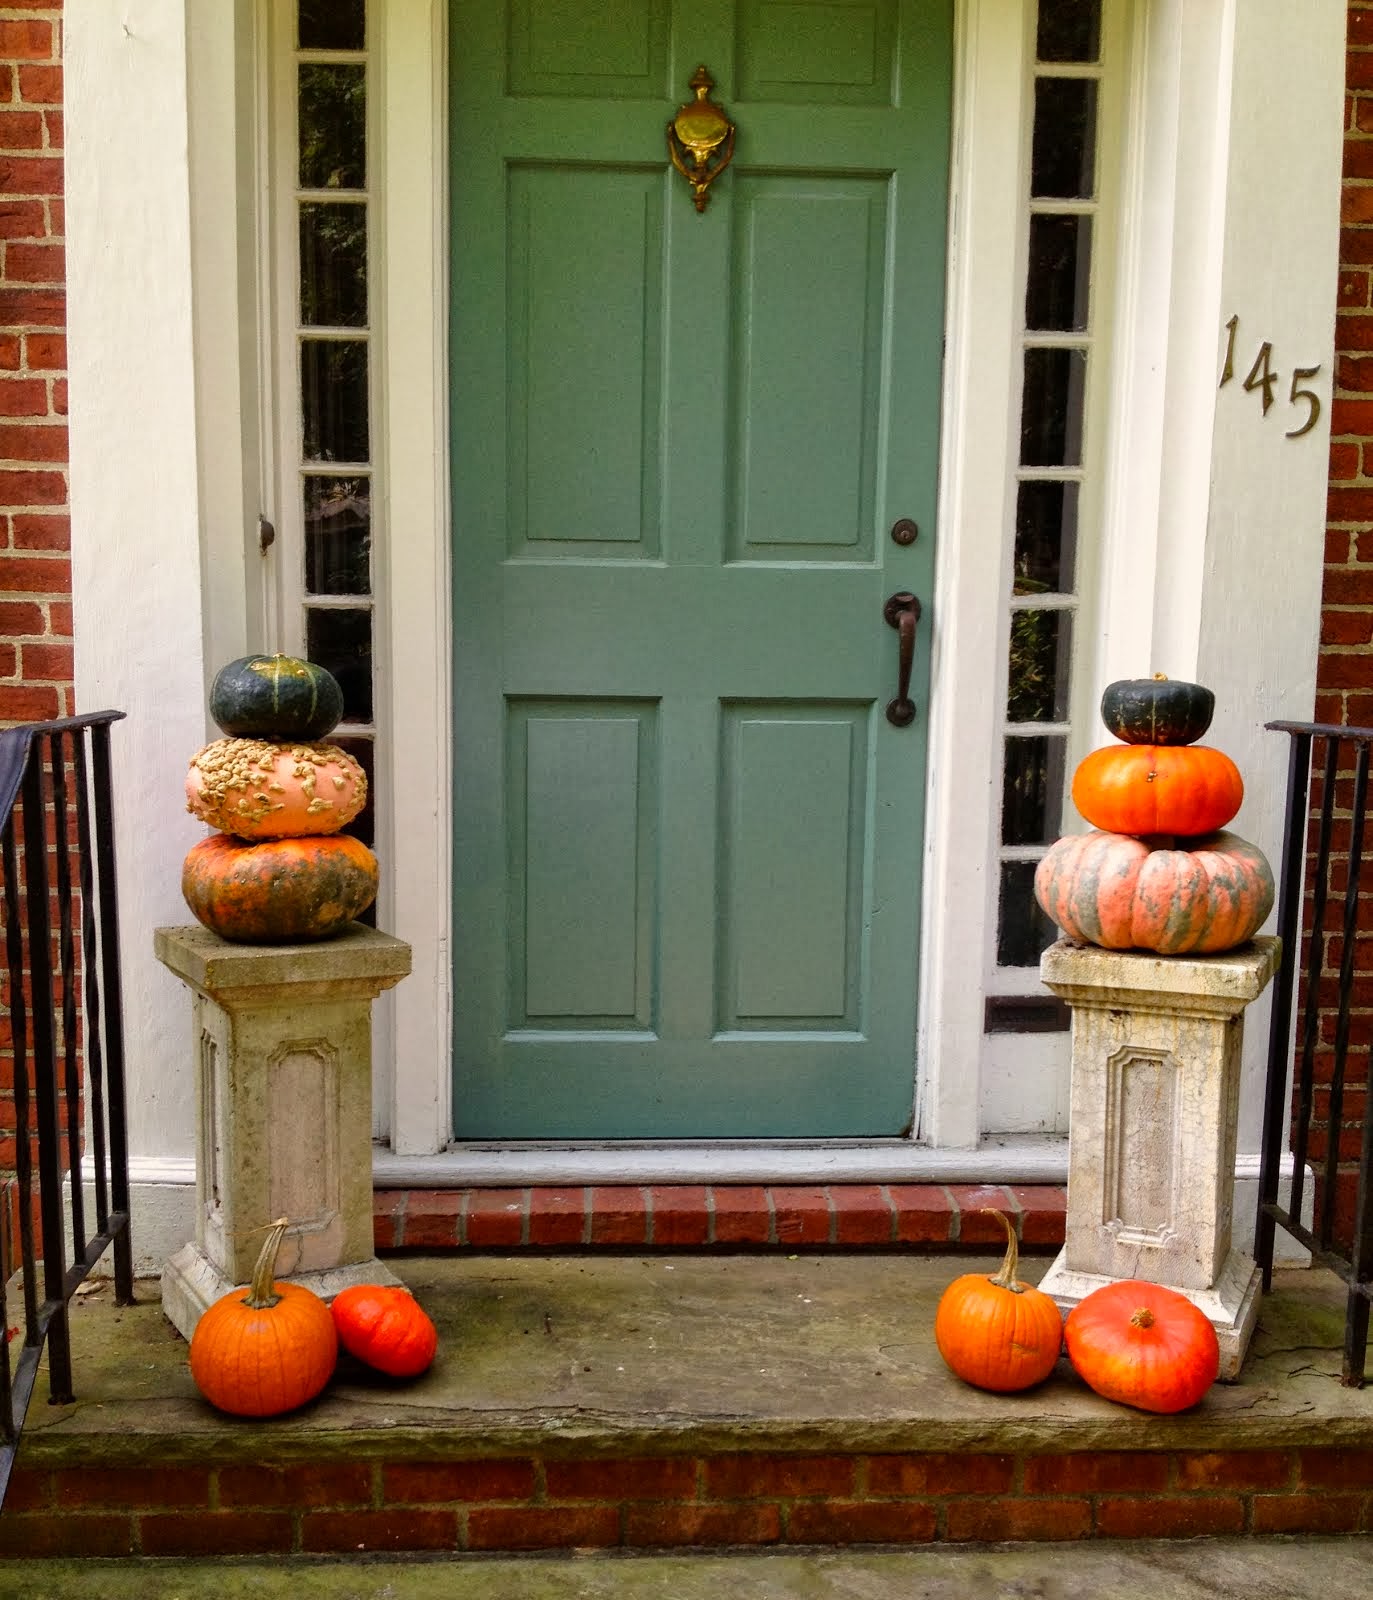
column 1263, row 378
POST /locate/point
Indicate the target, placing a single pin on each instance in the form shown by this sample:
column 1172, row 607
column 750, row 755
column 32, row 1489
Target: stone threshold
column 682, row 1399
column 717, row 1216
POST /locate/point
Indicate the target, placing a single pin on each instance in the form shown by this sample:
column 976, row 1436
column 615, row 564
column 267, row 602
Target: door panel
column 687, row 840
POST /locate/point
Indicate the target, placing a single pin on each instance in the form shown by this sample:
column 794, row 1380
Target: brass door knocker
column 700, row 139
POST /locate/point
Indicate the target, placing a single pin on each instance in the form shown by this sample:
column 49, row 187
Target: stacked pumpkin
column 279, row 869
column 1158, row 872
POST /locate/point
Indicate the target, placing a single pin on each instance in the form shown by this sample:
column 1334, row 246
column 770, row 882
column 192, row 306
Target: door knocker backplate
column 700, row 139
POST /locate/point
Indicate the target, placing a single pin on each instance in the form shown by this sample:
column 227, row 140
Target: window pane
column 1046, row 538
column 1069, row 30
column 1060, row 274
column 338, row 535
column 1041, row 655
column 1032, row 789
column 1023, row 930
column 1063, row 162
column 1051, row 408
column 332, row 110
column 333, row 399
column 333, row 265
column 342, row 641
column 333, row 24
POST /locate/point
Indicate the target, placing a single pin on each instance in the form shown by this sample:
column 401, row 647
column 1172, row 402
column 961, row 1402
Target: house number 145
column 1262, row 377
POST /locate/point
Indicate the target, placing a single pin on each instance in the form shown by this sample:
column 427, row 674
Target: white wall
column 1234, row 199
column 160, row 455
column 136, row 561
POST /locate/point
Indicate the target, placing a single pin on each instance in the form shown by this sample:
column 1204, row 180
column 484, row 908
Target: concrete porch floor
column 645, row 1401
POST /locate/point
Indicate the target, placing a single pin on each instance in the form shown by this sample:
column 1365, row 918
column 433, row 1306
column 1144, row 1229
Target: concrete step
column 682, row 1401
column 1199, row 1569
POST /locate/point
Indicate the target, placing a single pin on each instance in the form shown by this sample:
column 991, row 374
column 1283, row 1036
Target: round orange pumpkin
column 267, row 1351
column 996, row 1332
column 1143, row 1345
column 279, row 891
column 385, row 1326
column 258, row 789
column 1122, row 893
column 1158, row 788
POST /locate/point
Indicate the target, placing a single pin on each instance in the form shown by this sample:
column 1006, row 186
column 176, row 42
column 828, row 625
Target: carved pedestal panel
column 1153, row 1120
column 283, row 1058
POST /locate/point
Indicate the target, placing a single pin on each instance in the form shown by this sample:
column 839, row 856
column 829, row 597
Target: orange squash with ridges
column 1122, row 893
column 1186, row 789
column 279, row 891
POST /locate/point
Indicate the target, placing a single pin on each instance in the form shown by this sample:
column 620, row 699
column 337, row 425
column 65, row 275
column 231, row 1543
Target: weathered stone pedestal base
column 1153, row 1123
column 284, row 1109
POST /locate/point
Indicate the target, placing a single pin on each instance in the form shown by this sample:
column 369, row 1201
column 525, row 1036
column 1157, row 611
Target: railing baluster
column 1302, row 866
column 90, row 985
column 71, row 1073
column 114, row 1017
column 1292, row 879
column 34, row 776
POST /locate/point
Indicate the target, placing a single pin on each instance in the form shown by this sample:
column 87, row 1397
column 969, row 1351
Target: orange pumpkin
column 258, row 789
column 1122, row 893
column 385, row 1326
column 267, row 1351
column 996, row 1332
column 279, row 890
column 1158, row 788
column 1143, row 1345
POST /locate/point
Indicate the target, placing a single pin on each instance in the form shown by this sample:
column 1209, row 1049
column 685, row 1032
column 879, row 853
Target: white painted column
column 153, row 508
column 1215, row 528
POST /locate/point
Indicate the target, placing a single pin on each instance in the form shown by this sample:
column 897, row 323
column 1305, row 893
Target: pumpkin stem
column 261, row 1295
column 1160, row 677
column 1143, row 1318
column 1005, row 1279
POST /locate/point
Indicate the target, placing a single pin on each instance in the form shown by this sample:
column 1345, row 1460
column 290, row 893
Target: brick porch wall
column 35, row 568
column 1344, row 685
column 544, row 1503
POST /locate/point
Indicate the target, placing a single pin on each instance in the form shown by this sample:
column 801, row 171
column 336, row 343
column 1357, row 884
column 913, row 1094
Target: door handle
column 902, row 612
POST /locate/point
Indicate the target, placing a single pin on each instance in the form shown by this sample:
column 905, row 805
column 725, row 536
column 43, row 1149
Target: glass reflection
column 342, row 641
column 1023, row 931
column 1063, row 159
column 1051, row 407
column 332, row 115
column 1040, row 659
column 1046, row 538
column 1056, row 288
column 333, row 265
column 1069, row 30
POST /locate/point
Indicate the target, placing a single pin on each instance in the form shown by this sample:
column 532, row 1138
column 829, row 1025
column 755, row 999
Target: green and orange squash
column 1135, row 894
column 276, row 697
column 1157, row 710
column 279, row 891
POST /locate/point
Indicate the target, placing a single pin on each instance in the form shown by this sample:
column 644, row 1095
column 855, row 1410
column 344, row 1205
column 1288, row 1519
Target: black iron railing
column 65, row 1026
column 1336, row 811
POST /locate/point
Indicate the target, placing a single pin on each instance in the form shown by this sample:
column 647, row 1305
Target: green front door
column 687, row 837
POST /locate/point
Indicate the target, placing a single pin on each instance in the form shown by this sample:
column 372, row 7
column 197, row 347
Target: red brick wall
column 1344, row 681
column 35, row 571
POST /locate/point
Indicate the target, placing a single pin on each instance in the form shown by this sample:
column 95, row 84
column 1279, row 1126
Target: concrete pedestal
column 1153, row 1120
column 283, row 1045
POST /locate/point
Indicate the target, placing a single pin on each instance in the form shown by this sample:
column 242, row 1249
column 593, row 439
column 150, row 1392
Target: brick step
column 682, row 1400
column 717, row 1216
